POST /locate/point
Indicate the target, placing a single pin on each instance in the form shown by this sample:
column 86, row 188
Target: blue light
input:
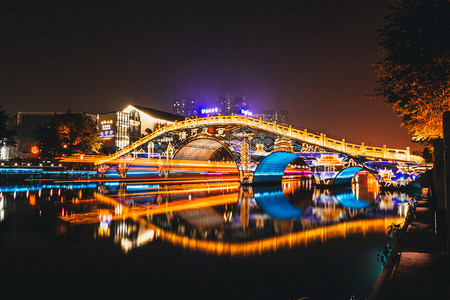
column 273, row 202
column 20, row 170
column 272, row 167
column 72, row 172
column 205, row 111
column 111, row 173
column 246, row 112
column 142, row 186
column 26, row 188
column 349, row 200
column 346, row 175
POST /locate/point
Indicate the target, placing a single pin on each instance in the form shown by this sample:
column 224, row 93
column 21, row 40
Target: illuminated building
column 5, row 152
column 185, row 107
column 231, row 104
column 120, row 128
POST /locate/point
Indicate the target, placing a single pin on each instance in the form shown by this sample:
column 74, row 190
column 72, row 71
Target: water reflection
column 220, row 218
column 273, row 202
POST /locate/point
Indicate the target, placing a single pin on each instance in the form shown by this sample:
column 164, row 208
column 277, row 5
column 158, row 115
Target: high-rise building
column 185, row 107
column 231, row 104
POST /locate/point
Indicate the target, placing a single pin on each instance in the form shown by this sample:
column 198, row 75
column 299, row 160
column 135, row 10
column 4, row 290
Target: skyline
column 312, row 59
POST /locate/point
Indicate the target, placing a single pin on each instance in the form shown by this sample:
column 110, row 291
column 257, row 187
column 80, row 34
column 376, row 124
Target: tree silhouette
column 413, row 75
column 67, row 134
column 6, row 135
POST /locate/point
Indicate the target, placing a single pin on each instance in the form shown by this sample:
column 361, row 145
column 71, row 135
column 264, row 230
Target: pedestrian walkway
column 417, row 269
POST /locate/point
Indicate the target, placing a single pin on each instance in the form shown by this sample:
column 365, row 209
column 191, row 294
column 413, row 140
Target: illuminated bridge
column 262, row 151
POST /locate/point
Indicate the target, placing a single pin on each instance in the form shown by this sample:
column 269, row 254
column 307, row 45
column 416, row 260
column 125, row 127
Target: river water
column 192, row 240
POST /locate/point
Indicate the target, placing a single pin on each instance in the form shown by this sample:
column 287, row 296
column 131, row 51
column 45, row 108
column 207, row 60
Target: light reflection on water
column 258, row 230
column 221, row 218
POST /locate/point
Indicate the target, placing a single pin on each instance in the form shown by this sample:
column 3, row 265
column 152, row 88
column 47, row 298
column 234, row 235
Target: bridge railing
column 301, row 135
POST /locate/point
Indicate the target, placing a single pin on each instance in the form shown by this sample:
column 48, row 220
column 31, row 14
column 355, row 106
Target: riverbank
column 417, row 267
column 15, row 174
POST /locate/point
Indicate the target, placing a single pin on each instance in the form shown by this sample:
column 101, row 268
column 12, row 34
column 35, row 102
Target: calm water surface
column 192, row 241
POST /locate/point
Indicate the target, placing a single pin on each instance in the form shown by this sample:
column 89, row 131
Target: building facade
column 119, row 129
column 231, row 104
column 185, row 107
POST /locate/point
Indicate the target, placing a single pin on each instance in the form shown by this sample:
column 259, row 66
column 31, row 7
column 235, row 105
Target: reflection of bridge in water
column 327, row 215
column 260, row 151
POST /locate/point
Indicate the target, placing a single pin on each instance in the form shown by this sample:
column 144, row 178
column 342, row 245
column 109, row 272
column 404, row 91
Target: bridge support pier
column 102, row 170
column 122, row 170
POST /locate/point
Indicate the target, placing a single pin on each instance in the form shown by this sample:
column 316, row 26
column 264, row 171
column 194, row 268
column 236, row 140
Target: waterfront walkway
column 417, row 267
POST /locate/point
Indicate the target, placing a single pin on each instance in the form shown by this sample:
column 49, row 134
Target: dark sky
column 312, row 58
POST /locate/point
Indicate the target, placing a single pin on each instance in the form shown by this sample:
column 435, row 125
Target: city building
column 226, row 105
column 231, row 104
column 185, row 107
column 26, row 124
column 276, row 115
column 118, row 129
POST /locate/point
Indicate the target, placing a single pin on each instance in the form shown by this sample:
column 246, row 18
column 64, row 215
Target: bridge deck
column 322, row 140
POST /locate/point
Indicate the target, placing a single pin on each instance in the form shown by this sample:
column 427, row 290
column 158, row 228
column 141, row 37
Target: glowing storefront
column 120, row 128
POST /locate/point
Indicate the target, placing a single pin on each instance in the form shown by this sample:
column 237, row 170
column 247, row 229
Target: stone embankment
column 417, row 267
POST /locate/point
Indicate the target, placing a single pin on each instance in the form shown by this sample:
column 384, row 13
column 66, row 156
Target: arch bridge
column 261, row 150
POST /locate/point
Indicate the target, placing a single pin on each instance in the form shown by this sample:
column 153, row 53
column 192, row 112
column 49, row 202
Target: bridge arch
column 272, row 167
column 111, row 172
column 201, row 148
column 345, row 176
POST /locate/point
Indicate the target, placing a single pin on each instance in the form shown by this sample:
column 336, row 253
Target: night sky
column 313, row 58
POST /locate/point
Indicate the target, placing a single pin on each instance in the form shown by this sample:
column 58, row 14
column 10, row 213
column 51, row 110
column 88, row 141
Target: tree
column 67, row 134
column 6, row 135
column 414, row 73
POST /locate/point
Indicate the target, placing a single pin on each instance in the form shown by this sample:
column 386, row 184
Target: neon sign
column 105, row 122
column 209, row 110
column 246, row 112
column 107, row 134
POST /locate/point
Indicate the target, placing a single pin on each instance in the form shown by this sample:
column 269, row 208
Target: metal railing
column 300, row 135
